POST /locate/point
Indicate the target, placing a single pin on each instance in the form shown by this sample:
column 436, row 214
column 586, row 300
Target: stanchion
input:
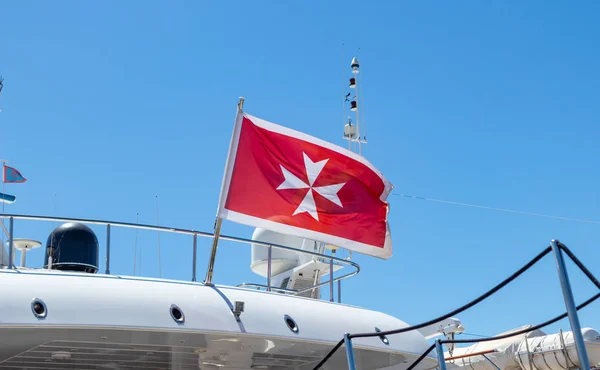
column 584, row 362
column 349, row 352
column 440, row 355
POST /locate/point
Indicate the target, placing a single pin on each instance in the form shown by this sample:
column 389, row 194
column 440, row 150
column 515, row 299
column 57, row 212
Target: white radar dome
column 281, row 260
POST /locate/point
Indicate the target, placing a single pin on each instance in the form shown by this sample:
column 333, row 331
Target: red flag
column 289, row 182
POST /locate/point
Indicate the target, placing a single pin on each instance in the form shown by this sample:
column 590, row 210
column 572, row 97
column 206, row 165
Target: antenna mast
column 352, row 131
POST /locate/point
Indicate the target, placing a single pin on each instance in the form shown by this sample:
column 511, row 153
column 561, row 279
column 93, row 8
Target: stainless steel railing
column 195, row 234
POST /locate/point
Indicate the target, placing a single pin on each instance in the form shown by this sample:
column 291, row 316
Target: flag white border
column 233, row 146
column 371, row 250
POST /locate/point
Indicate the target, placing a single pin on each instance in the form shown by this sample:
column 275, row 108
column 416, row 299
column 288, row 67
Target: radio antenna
column 352, row 131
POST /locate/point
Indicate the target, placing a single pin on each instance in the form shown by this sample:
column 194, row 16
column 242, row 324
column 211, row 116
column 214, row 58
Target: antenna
column 1, row 86
column 137, row 221
column 352, row 131
column 158, row 237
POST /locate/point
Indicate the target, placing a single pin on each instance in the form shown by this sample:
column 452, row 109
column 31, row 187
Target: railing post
column 312, row 292
column 331, row 280
column 195, row 250
column 350, row 352
column 107, row 249
column 339, row 291
column 269, row 268
column 584, row 362
column 11, row 227
column 440, row 355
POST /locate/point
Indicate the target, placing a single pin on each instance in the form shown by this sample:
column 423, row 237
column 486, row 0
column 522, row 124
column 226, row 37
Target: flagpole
column 217, row 229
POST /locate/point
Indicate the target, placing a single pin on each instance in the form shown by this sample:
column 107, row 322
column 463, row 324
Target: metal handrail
column 195, row 234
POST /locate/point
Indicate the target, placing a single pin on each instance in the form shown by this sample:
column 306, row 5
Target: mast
column 352, row 131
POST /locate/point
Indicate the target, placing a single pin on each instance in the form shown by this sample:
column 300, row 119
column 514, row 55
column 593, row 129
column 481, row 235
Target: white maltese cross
column 313, row 169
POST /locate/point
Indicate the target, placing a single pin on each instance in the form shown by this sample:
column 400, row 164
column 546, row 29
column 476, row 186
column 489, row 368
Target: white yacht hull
column 96, row 321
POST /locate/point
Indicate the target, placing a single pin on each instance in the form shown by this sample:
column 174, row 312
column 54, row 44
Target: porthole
column 39, row 309
column 383, row 337
column 177, row 314
column 291, row 324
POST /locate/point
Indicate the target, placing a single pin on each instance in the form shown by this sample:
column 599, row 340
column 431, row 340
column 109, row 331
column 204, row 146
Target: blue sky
column 108, row 104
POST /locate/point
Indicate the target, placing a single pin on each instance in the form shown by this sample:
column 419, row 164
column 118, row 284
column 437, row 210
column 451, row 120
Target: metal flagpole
column 213, row 252
column 217, row 232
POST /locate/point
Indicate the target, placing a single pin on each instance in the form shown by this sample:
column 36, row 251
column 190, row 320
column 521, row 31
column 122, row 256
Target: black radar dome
column 73, row 247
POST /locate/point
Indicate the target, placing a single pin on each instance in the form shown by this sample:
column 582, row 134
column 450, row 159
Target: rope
column 443, row 317
column 328, row 356
column 488, row 339
column 524, row 331
column 563, row 247
column 580, row 265
column 460, row 309
column 417, row 361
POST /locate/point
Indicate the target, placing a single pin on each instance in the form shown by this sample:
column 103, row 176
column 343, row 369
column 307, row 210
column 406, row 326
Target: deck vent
column 382, row 337
column 38, row 307
column 291, row 324
column 177, row 314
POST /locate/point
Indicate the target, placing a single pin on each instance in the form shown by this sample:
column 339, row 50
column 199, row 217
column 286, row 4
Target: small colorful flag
column 12, row 175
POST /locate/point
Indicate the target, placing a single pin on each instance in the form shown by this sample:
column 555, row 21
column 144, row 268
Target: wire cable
column 499, row 209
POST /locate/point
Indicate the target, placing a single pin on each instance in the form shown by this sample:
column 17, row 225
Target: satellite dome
column 73, row 247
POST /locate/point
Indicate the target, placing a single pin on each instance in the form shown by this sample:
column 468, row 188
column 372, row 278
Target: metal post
column 331, row 280
column 107, row 249
column 529, row 356
column 312, row 292
column 194, row 257
column 269, row 269
column 584, row 362
column 349, row 352
column 564, row 351
column 23, row 257
column 10, row 243
column 213, row 252
column 339, row 291
column 440, row 354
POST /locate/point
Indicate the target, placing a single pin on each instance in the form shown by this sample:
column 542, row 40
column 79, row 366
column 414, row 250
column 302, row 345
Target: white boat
column 65, row 313
column 71, row 316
